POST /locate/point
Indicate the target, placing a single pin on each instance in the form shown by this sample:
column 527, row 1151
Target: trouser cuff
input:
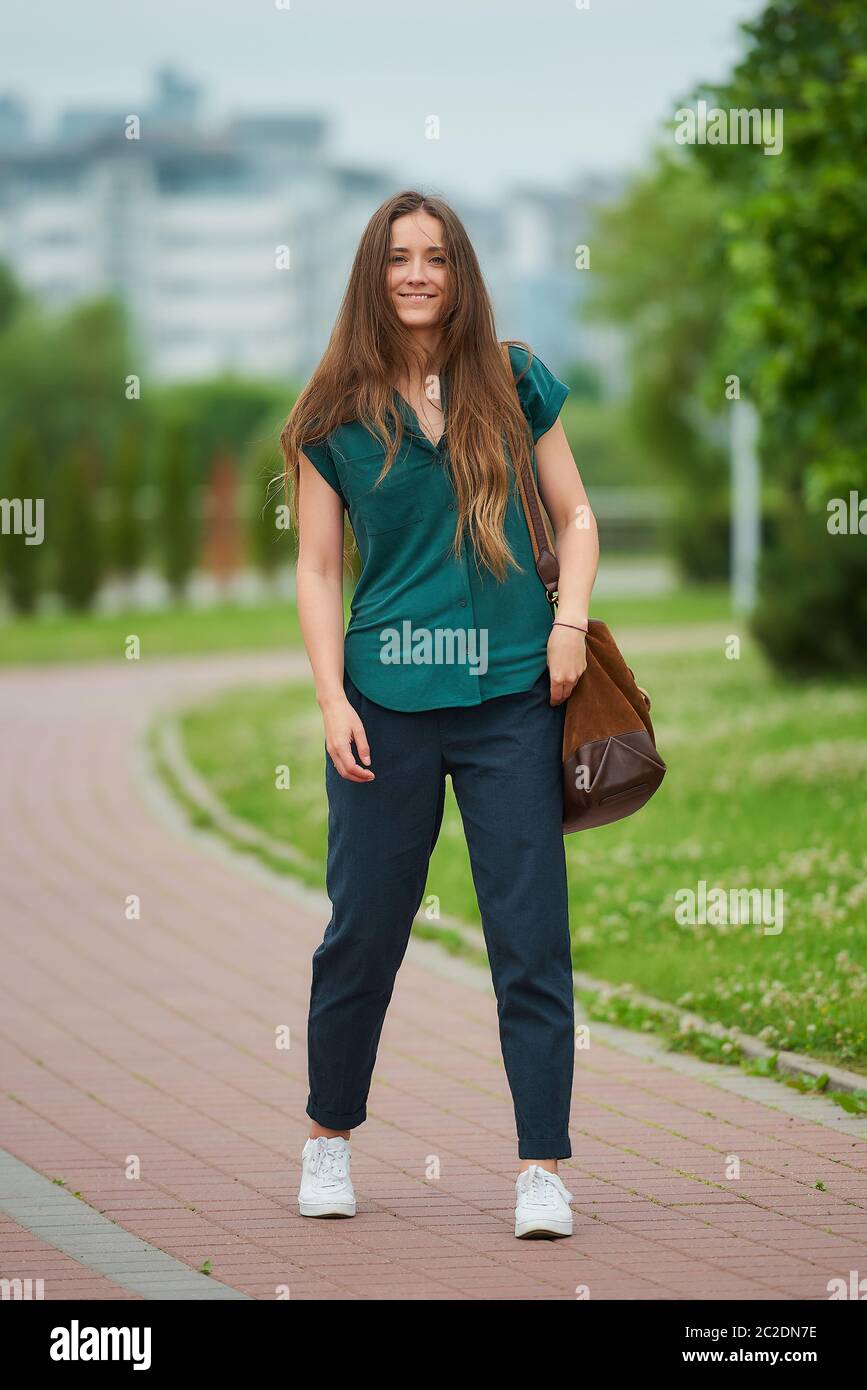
column 335, row 1119
column 543, row 1148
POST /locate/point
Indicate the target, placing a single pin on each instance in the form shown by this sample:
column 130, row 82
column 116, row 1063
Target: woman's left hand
column 567, row 661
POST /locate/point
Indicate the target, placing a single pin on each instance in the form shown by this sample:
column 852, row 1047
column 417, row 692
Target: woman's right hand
column 343, row 726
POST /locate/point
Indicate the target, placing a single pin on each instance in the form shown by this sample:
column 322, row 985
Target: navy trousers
column 504, row 759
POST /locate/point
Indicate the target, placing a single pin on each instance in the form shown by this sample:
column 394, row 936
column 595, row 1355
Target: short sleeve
column 321, row 457
column 540, row 392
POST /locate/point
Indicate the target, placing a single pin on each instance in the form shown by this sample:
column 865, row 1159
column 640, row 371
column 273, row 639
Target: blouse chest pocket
column 390, row 506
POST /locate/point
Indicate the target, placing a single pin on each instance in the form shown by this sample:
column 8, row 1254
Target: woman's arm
column 577, row 545
column 319, row 591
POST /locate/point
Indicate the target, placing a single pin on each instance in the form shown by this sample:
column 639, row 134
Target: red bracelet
column 557, row 623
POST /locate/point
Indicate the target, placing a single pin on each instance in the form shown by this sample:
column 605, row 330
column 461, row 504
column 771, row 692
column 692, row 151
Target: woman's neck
column 430, row 341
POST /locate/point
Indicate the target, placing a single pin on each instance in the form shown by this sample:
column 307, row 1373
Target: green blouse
column 428, row 630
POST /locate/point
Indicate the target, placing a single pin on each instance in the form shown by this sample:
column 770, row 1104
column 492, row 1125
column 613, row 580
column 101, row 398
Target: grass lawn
column 765, row 790
column 236, row 627
column 175, row 632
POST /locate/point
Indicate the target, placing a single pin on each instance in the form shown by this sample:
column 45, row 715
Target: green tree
column 796, row 321
column 270, row 544
column 583, row 381
column 223, row 415
column 126, row 531
column 660, row 272
column 76, row 529
column 179, row 522
column 11, row 295
column 21, row 487
column 64, row 375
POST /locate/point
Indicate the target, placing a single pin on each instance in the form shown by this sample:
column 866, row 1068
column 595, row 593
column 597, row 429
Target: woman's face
column 417, row 272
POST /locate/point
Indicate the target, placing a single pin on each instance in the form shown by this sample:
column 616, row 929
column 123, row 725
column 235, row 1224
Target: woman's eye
column 398, row 256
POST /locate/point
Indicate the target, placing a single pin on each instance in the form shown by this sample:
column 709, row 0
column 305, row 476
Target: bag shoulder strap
column 547, row 564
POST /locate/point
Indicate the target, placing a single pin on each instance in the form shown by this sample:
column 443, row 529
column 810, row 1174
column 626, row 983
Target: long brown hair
column 369, row 347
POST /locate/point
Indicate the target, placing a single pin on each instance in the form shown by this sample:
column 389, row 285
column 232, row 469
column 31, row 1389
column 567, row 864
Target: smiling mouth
column 419, row 298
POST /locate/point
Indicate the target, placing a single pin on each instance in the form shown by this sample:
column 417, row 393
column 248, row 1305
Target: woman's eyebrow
column 429, row 248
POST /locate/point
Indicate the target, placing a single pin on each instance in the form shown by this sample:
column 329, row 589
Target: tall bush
column 74, row 526
column 797, row 316
column 178, row 521
column 659, row 271
column 126, row 531
column 270, row 545
column 22, row 485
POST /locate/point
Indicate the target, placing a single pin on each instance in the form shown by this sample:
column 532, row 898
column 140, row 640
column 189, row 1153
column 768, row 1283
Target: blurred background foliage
column 724, row 261
column 717, row 263
column 171, row 477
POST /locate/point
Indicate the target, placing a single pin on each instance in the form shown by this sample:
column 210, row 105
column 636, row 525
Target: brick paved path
column 156, row 1038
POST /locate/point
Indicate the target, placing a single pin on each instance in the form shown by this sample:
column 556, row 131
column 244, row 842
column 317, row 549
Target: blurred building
column 232, row 249
column 529, row 246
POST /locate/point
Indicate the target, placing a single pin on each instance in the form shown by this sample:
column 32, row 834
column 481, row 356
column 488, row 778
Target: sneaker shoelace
column 326, row 1166
column 543, row 1187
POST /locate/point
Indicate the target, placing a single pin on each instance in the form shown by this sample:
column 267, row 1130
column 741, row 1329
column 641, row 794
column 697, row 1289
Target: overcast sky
column 537, row 91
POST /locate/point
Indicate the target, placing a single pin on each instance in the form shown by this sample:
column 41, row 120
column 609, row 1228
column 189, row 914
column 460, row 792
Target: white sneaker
column 326, row 1186
column 542, row 1206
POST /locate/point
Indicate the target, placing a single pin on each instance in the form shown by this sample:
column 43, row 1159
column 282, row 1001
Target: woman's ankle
column 318, row 1131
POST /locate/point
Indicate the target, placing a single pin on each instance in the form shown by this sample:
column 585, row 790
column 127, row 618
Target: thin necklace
column 430, row 393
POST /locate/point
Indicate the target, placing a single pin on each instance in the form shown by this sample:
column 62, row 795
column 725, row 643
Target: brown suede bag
column 610, row 763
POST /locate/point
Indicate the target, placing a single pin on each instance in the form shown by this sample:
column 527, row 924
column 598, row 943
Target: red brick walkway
column 155, row 1038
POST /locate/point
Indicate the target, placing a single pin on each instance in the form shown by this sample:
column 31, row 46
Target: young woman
column 450, row 664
